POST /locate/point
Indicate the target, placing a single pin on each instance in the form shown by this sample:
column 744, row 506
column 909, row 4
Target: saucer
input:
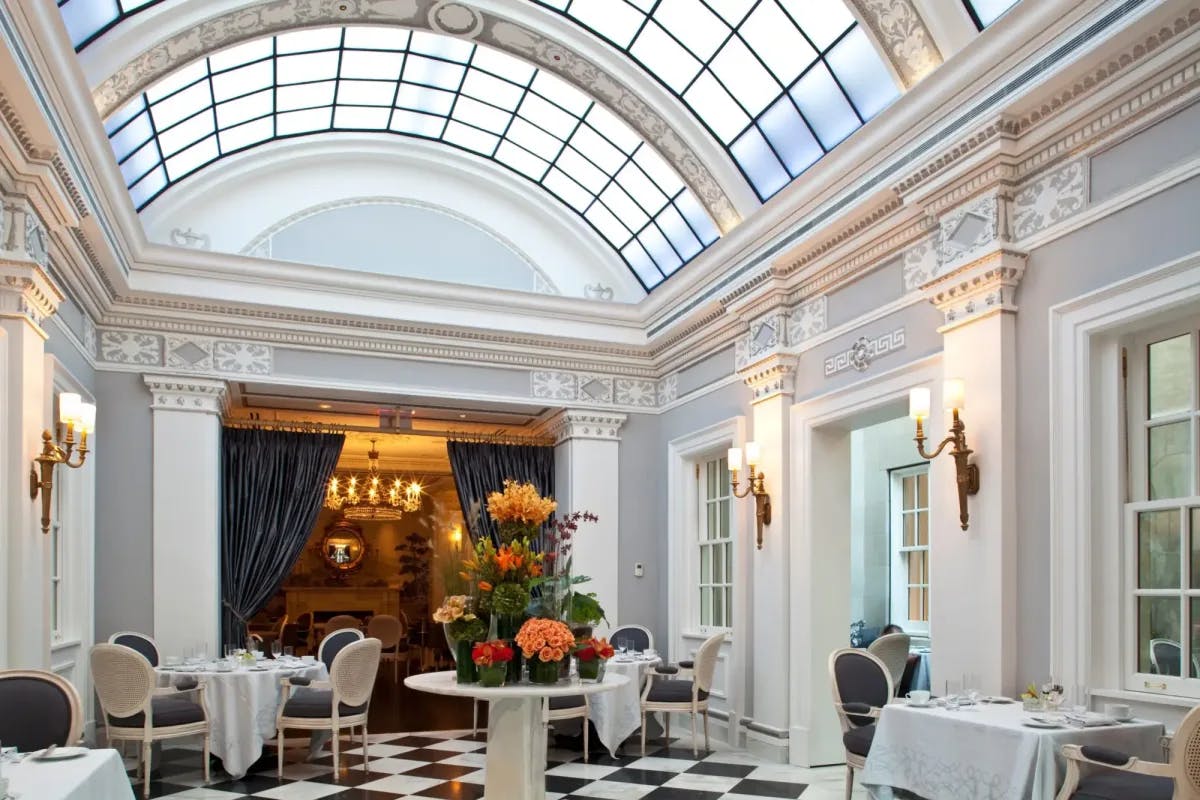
column 926, row 704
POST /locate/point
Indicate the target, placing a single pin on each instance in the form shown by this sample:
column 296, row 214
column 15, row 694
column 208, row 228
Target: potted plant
column 590, row 657
column 491, row 660
column 544, row 643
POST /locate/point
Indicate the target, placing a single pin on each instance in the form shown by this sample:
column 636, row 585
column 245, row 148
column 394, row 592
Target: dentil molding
column 770, row 378
column 184, row 393
column 585, row 424
column 26, row 292
column 979, row 289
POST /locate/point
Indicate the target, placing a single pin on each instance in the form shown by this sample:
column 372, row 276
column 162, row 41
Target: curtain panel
column 481, row 468
column 272, row 488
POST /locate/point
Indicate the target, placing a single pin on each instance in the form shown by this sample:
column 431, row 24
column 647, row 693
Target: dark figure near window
column 892, row 628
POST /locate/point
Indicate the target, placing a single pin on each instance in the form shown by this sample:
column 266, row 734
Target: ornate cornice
column 973, row 291
column 274, row 16
column 27, row 292
column 176, row 393
column 772, row 377
column 584, row 424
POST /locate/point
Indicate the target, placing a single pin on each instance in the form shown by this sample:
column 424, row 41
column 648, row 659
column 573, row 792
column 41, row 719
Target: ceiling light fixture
column 372, row 497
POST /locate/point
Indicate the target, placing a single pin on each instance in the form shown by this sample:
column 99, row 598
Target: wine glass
column 276, row 648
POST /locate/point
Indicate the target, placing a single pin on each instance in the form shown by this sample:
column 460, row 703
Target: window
column 715, row 543
column 1162, row 519
column 985, row 12
column 910, row 547
column 88, row 20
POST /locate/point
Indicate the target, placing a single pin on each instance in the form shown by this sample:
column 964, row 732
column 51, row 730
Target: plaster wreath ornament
column 545, row 643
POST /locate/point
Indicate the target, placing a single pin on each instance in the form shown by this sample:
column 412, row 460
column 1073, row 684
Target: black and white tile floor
column 448, row 765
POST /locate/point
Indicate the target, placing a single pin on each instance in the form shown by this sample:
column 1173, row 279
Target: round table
column 242, row 705
column 516, row 738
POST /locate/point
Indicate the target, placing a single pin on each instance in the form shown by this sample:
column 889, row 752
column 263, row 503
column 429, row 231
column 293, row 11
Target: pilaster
column 186, row 512
column 586, row 478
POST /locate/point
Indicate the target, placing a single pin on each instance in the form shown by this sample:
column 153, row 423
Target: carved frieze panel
column 860, row 355
column 184, row 353
column 1053, row 197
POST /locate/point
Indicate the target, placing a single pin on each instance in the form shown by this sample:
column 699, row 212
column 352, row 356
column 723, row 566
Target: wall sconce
column 76, row 415
column 967, row 473
column 762, row 500
column 456, row 536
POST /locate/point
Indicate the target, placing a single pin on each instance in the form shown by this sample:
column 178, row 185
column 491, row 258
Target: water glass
column 953, row 690
column 1082, row 697
column 289, row 651
column 276, row 648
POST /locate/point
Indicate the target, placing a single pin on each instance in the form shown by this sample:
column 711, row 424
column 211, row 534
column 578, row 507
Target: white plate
column 1038, row 723
column 61, row 754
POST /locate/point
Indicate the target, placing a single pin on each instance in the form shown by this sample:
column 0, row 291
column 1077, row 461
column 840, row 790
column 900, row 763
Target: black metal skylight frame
column 120, row 16
column 784, row 101
column 675, row 228
column 973, row 12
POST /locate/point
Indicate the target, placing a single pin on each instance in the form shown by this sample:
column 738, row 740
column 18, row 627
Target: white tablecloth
column 984, row 754
column 242, row 706
column 100, row 775
column 618, row 713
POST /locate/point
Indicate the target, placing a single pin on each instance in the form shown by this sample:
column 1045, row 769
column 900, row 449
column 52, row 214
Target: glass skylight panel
column 482, row 101
column 985, row 12
column 733, row 61
column 87, row 20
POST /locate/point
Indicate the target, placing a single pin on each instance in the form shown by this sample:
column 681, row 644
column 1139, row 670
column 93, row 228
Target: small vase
column 543, row 672
column 494, row 675
column 464, row 667
column 507, row 632
column 589, row 670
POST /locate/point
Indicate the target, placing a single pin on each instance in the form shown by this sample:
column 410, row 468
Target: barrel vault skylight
column 414, row 83
column 778, row 82
column 87, row 20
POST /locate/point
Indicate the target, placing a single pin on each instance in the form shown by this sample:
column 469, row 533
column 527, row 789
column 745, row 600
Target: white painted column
column 186, row 514
column 767, row 726
column 27, row 297
column 586, row 472
column 973, row 585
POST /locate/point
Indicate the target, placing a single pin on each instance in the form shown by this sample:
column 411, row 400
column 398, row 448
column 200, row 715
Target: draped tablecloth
column 985, row 753
column 99, row 775
column 242, row 707
column 618, row 714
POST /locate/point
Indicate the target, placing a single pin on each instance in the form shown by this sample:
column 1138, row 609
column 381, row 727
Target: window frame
column 700, row 542
column 900, row 586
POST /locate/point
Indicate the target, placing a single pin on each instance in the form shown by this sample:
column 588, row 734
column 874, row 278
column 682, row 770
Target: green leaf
column 585, row 609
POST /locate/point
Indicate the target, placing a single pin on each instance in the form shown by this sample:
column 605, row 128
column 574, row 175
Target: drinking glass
column 201, row 651
column 1082, row 697
column 276, row 648
column 229, row 650
column 289, row 651
column 953, row 690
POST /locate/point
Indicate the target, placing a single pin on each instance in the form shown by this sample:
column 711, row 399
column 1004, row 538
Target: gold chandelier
column 372, row 497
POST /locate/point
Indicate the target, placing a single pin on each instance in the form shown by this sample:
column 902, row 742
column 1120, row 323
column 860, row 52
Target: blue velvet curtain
column 481, row 468
column 272, row 488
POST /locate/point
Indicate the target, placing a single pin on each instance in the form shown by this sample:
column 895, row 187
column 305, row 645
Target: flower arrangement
column 590, row 655
column 519, row 510
column 503, row 576
column 544, row 643
column 488, row 654
column 460, row 620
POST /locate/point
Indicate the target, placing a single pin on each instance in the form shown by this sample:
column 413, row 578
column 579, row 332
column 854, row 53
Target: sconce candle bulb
column 752, row 454
column 756, row 487
column 954, row 394
column 734, row 459
column 918, row 403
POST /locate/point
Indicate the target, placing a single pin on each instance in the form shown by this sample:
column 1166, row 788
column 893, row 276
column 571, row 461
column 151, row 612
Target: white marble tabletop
column 447, row 683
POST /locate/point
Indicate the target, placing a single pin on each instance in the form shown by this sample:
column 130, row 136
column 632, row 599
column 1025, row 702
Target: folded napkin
column 1091, row 719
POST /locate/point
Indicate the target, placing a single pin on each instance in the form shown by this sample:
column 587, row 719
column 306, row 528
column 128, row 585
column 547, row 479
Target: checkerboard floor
column 449, row 765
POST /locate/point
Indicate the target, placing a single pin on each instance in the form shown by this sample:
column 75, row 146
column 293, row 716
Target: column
column 585, row 479
column 186, row 514
column 973, row 572
column 772, row 382
column 27, row 297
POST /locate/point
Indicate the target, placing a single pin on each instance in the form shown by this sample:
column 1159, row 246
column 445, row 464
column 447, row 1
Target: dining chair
column 892, row 650
column 1113, row 774
column 139, row 642
column 333, row 643
column 135, row 710
column 683, row 697
column 639, row 637
column 303, row 632
column 861, row 685
column 1165, row 656
column 575, row 706
column 40, row 709
column 341, row 622
column 341, row 702
column 389, row 631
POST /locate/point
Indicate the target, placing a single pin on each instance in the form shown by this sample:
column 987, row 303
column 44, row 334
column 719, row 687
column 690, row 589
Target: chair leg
column 706, row 747
column 207, row 777
column 364, row 738
column 849, row 781
column 667, row 727
column 337, row 735
column 146, row 768
column 695, row 751
column 279, row 749
column 643, row 734
column 586, row 736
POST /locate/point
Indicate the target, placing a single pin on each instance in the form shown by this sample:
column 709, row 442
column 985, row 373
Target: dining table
column 992, row 750
column 243, row 703
column 93, row 775
column 617, row 714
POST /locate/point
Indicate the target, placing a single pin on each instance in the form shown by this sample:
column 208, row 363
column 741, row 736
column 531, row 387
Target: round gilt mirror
column 343, row 547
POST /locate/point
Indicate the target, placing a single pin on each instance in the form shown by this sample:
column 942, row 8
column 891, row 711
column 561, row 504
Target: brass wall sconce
column 967, row 473
column 76, row 415
column 762, row 500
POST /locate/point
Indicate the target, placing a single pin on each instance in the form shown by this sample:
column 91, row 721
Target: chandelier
column 372, row 496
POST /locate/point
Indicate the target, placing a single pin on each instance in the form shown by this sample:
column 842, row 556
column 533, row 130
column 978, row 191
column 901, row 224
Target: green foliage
column 585, row 609
column 509, row 599
column 470, row 630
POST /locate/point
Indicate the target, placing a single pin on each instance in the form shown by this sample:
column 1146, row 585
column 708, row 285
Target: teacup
column 918, row 697
column 1118, row 711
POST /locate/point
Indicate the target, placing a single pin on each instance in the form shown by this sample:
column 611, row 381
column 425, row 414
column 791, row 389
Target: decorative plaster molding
column 978, row 289
column 269, row 17
column 1051, row 198
column 190, row 239
column 578, row 423
column 184, row 353
column 969, row 229
column 903, row 36
column 668, row 389
column 176, row 393
column 131, row 347
column 920, row 263
column 807, row 320
column 594, row 389
column 864, row 351
column 771, row 378
column 27, row 292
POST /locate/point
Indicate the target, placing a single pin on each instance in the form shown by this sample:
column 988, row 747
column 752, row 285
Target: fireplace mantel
column 373, row 599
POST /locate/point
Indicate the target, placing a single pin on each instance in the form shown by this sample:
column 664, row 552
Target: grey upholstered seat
column 37, row 712
column 332, row 644
column 1112, row 785
column 317, row 703
column 139, row 642
column 674, row 692
column 168, row 711
column 858, row 740
column 570, row 701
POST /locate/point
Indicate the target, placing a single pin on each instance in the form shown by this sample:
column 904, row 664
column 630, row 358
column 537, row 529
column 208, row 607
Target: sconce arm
column 920, row 440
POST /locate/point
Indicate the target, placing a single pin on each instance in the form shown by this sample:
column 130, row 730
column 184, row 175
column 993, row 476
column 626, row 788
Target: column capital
column 27, row 292
column 186, row 393
column 980, row 288
column 583, row 423
column 771, row 377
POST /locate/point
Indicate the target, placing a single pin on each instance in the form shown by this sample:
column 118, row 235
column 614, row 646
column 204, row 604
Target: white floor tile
column 394, row 766
column 613, row 790
column 703, row 783
column 459, row 745
column 467, row 760
column 663, row 764
column 479, row 776
column 578, row 769
column 400, row 784
column 201, row 793
column 301, row 790
column 381, row 750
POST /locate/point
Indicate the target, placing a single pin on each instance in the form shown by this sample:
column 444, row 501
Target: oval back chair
column 389, row 631
column 892, row 650
column 139, row 642
column 333, row 643
column 341, row 622
column 637, row 637
column 861, row 685
column 40, row 709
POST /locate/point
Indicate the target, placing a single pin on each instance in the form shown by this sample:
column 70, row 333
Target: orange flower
column 547, row 654
column 535, row 570
column 507, row 560
column 485, row 586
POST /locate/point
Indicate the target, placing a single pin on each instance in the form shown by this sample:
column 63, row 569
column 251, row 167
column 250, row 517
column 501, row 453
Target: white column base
column 516, row 749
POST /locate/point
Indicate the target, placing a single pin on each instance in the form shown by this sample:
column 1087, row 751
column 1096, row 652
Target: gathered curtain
column 481, row 468
column 272, row 488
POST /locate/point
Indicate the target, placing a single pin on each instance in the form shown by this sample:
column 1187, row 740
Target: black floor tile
column 769, row 788
column 646, row 777
column 453, row 790
column 723, row 770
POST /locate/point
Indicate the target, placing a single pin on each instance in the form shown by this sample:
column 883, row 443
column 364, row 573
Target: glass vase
column 589, row 670
column 543, row 672
column 464, row 667
column 494, row 675
column 506, row 631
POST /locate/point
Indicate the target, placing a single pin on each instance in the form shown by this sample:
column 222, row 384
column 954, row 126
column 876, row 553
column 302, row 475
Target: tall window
column 1162, row 528
column 910, row 547
column 715, row 542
